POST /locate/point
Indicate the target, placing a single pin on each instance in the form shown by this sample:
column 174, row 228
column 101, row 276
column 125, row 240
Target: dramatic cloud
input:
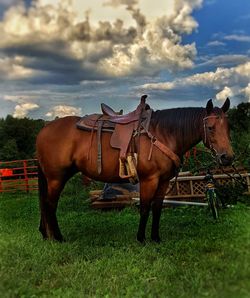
column 12, row 69
column 53, row 40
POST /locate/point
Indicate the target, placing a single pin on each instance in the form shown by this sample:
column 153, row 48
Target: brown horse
column 62, row 151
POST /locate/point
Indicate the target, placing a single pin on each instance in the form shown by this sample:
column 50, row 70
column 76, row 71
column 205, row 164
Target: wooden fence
column 188, row 190
column 188, row 187
column 18, row 175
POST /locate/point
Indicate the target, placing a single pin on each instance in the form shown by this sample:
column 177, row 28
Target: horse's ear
column 209, row 106
column 226, row 105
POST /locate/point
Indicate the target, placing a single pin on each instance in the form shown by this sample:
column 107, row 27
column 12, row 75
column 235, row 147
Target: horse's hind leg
column 156, row 210
column 48, row 204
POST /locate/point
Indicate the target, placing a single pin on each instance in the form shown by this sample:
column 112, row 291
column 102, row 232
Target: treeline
column 17, row 136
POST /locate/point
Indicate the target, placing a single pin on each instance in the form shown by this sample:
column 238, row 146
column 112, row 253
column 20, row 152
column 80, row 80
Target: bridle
column 206, row 138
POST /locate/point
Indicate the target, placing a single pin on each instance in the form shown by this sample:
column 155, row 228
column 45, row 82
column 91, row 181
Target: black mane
column 179, row 121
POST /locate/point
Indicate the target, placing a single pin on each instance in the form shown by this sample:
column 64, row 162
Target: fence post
column 1, row 187
column 26, row 179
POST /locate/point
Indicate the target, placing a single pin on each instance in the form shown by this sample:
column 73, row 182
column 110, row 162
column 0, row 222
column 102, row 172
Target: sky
column 65, row 57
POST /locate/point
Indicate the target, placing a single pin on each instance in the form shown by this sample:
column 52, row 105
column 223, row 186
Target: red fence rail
column 18, row 175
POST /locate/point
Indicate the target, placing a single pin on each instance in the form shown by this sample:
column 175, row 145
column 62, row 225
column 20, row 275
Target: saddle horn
column 143, row 98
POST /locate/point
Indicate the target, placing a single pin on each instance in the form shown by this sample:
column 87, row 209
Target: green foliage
column 9, row 150
column 239, row 119
column 230, row 193
column 201, row 162
column 198, row 257
column 17, row 137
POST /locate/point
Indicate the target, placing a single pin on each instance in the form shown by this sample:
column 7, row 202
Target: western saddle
column 123, row 128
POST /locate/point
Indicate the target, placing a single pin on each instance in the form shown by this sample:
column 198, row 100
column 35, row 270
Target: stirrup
column 131, row 168
column 127, row 168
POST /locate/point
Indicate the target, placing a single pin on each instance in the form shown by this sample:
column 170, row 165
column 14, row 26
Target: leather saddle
column 122, row 127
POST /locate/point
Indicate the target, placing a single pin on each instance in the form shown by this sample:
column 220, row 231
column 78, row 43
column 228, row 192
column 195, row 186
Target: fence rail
column 18, row 175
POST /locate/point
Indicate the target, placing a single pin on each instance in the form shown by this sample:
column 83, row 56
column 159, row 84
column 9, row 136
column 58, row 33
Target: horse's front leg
column 156, row 210
column 147, row 191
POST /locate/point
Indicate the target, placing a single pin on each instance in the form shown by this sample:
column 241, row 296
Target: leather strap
column 175, row 158
column 99, row 147
column 154, row 141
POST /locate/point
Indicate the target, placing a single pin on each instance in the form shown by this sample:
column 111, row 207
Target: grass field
column 198, row 257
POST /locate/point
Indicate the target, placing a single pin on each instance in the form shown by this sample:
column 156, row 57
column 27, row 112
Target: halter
column 205, row 133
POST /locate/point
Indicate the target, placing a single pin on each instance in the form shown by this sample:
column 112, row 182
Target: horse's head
column 216, row 132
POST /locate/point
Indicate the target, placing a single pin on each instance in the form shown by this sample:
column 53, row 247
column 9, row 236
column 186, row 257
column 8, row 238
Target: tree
column 23, row 132
column 9, row 151
column 239, row 119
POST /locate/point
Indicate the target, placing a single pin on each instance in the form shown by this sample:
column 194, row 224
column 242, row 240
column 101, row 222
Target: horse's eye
column 210, row 128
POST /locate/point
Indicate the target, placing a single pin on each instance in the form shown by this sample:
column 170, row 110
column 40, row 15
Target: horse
column 63, row 150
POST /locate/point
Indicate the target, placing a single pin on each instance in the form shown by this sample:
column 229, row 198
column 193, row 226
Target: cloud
column 232, row 81
column 159, row 45
column 224, row 60
column 226, row 92
column 247, row 91
column 9, row 2
column 11, row 68
column 63, row 110
column 116, row 3
column 22, row 110
column 216, row 43
column 240, row 38
column 21, row 99
column 51, row 40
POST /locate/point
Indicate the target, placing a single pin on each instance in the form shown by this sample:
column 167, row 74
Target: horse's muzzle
column 225, row 159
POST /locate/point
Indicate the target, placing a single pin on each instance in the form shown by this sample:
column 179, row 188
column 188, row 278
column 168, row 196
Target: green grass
column 198, row 257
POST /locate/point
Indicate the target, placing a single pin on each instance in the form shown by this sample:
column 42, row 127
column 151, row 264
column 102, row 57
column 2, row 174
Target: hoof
column 141, row 239
column 58, row 237
column 43, row 232
column 156, row 239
